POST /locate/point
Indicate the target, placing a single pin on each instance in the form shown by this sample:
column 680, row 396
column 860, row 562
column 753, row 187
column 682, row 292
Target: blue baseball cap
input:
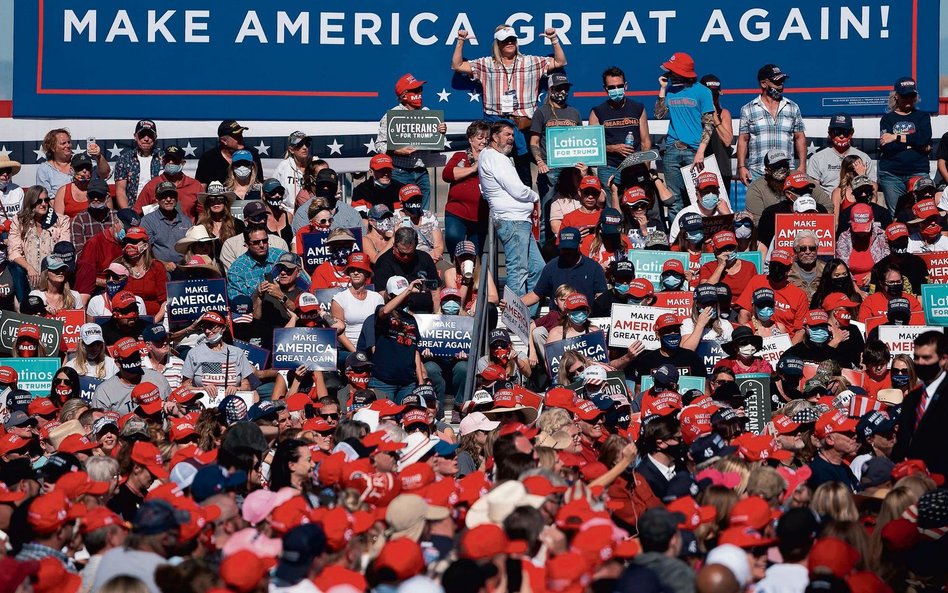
column 569, row 238
column 691, row 221
column 155, row 333
column 610, row 222
column 263, row 409
column 444, row 448
column 242, row 155
column 214, row 479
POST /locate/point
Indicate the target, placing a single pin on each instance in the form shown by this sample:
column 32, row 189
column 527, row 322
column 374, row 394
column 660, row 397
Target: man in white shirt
column 825, row 164
column 513, row 206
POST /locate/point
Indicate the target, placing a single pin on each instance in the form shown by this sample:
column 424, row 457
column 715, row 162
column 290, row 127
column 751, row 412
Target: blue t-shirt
column 587, row 277
column 685, row 108
column 896, row 157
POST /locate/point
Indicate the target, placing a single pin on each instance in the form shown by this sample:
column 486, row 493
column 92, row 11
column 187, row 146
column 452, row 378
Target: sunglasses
column 577, row 370
column 217, row 200
column 42, row 201
column 279, row 193
column 113, row 276
column 284, row 270
column 325, row 220
column 612, row 87
column 6, row 171
column 61, row 381
column 899, row 371
column 639, row 206
column 840, row 133
column 259, row 241
column 450, row 456
column 806, row 248
column 329, row 416
column 132, row 241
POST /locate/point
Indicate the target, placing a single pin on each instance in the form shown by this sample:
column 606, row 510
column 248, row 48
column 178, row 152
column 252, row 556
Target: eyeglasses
column 329, row 416
column 41, row 201
column 806, row 248
column 576, row 370
column 285, row 270
column 259, row 241
column 61, row 381
column 840, row 133
column 896, row 371
column 113, row 276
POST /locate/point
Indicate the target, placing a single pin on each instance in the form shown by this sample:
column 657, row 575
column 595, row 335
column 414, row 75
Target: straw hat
column 6, row 163
column 196, row 234
column 497, row 504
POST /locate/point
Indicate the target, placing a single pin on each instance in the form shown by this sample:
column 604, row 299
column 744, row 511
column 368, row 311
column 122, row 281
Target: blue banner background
column 342, row 75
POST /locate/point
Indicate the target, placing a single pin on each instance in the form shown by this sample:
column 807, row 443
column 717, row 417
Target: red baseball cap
column 634, row 194
column 359, row 261
column 493, row 372
column 707, row 179
column 10, row 442
column 681, row 64
column 243, row 570
column 99, row 517
column 722, row 239
column 896, row 230
column 148, row 455
column 835, row 300
column 640, row 288
column 381, row 161
column 319, row 425
column 77, row 484
column 744, row 537
column 594, row 543
column 76, row 443
column 784, row 424
column 415, row 416
column 666, row 320
column 781, row 256
column 541, row 486
column 48, row 512
column 126, row 348
column 694, row 514
column 8, row 375
column 559, row 397
column 408, row 82
column 834, row 421
column 860, row 218
column 673, row 265
column 834, row 555
column 695, row 422
column 798, row 180
column 386, row 407
column 586, row 410
column 403, row 557
column 53, row 576
column 923, row 210
column 6, row 495
column 136, row 233
column 182, row 428
column 575, row 301
column 146, row 396
column 28, row 330
column 123, row 300
column 297, row 402
column 41, row 406
column 816, row 317
column 590, row 181
column 754, row 512
column 212, row 317
column 409, row 191
column 182, row 395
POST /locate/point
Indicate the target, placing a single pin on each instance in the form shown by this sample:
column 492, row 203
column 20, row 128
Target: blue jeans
column 524, row 262
column 604, row 173
column 393, row 392
column 675, row 158
column 894, row 186
column 457, row 229
column 546, row 187
column 21, row 282
column 420, row 178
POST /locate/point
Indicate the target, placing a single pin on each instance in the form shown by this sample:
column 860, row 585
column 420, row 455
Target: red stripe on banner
column 814, row 89
column 6, row 108
column 213, row 92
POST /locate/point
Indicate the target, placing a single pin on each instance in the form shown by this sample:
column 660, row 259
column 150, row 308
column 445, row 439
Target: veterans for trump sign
column 788, row 225
column 416, row 128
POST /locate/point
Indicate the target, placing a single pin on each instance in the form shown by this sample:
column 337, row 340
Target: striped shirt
column 172, row 372
column 523, row 77
column 767, row 133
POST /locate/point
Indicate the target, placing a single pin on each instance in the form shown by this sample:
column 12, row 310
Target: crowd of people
column 162, row 459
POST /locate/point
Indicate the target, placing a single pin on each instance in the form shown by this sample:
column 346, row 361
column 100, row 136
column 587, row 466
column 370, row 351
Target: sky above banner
column 190, row 58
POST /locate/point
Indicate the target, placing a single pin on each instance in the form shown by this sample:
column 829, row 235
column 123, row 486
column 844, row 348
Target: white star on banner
column 263, row 149
column 369, row 147
column 114, row 152
column 189, row 150
column 447, row 143
column 443, row 96
column 811, row 148
column 334, row 148
column 4, row 152
column 474, row 96
column 40, row 155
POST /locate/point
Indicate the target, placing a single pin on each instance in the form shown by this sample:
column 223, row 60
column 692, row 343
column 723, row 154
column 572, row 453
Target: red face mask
column 842, row 316
column 841, row 144
column 27, row 350
column 501, row 354
column 358, row 380
column 931, row 231
column 413, row 100
column 64, row 392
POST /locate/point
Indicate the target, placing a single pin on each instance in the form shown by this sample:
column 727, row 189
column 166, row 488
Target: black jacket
column 930, row 441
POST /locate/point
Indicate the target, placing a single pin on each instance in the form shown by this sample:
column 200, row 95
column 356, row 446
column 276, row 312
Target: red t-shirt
column 584, row 221
column 188, row 189
column 791, row 302
column 464, row 196
column 152, row 287
column 758, row 365
column 736, row 282
column 99, row 251
column 326, row 276
column 873, row 387
column 877, row 304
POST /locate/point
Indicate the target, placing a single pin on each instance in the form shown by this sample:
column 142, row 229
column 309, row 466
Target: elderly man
column 824, row 166
column 166, row 225
column 836, row 433
column 406, row 260
column 513, row 206
column 767, row 190
column 806, row 269
column 214, row 164
column 188, row 188
column 135, row 168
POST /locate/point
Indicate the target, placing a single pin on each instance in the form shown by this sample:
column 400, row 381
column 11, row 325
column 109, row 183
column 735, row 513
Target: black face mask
column 840, row 284
column 899, row 245
column 778, row 272
column 676, row 452
column 927, row 372
column 791, row 388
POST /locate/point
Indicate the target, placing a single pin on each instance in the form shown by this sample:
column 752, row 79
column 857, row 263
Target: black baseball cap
column 230, row 127
column 906, row 86
column 557, row 79
column 712, row 82
column 498, row 335
column 174, row 153
column 146, row 125
column 98, row 187
column 841, row 121
column 773, row 73
column 81, row 159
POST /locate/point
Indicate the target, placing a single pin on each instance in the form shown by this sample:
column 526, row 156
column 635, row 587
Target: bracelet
column 739, row 167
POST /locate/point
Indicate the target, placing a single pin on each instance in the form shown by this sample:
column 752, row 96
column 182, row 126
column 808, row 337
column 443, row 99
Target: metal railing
column 479, row 335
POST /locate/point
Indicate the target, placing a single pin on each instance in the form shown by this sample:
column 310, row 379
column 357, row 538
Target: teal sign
column 685, row 383
column 568, row 145
column 935, row 303
column 648, row 264
column 34, row 374
column 753, row 257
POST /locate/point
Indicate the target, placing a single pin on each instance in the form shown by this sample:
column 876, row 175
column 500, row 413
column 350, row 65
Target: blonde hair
column 49, row 141
column 69, row 301
column 84, row 364
column 71, row 409
column 919, row 484
column 723, row 500
column 569, row 357
column 766, row 482
column 553, row 419
column 495, row 46
column 231, row 181
column 741, row 467
column 835, row 500
column 546, row 458
column 562, row 291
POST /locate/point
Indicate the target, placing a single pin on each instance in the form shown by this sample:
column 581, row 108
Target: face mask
column 780, row 174
column 413, row 100
column 26, row 350
column 774, row 93
column 64, row 392
column 899, row 245
column 215, row 338
column 559, row 97
column 791, row 388
column 931, row 231
column 97, row 207
column 671, row 341
column 4, row 185
column 818, row 335
column 743, row 232
column 710, row 201
column 622, row 288
column 616, row 95
column 339, row 257
column 451, row 307
column 927, row 372
column 778, row 273
column 134, row 250
column 385, row 225
column 695, row 236
column 113, row 288
column 731, row 257
column 840, row 284
column 501, row 355
column 414, row 210
column 900, row 381
column 765, row 313
column 862, row 197
column 120, row 236
column 748, row 350
column 672, row 281
column 676, row 452
column 842, row 144
column 172, row 169
column 242, row 172
column 358, row 380
column 843, row 317
column 893, row 290
column 578, row 317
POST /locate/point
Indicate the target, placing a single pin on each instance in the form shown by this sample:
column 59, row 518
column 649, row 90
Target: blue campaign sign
column 648, row 264
column 591, row 345
column 189, row 299
column 883, row 41
column 34, row 374
column 445, row 335
column 310, row 346
column 935, row 303
column 257, row 356
column 316, row 251
column 87, row 387
column 753, row 257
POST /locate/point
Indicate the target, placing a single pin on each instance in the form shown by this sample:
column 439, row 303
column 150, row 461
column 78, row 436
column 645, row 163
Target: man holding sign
column 668, row 330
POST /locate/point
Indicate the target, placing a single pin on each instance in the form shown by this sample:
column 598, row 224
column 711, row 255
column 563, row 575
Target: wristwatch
column 285, row 298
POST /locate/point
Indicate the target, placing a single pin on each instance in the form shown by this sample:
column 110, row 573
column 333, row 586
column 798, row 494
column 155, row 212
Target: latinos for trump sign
column 33, row 374
column 51, row 331
column 568, row 145
column 316, row 250
column 591, row 345
column 787, row 225
column 414, row 128
column 189, row 299
column 891, row 39
column 753, row 257
column 648, row 264
column 310, row 346
column 934, row 303
column 445, row 336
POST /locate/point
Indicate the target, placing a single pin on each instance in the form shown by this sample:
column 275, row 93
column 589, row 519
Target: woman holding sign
column 147, row 276
column 575, row 322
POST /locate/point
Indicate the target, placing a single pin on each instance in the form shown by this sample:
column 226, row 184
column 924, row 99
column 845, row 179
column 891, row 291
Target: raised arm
column 458, row 63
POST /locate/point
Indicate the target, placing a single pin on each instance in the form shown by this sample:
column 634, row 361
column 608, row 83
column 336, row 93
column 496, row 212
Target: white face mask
column 748, row 350
column 743, row 232
column 242, row 172
column 215, row 338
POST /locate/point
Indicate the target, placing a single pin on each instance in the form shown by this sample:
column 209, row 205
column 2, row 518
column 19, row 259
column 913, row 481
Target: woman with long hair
column 147, row 277
column 34, row 232
column 242, row 176
column 835, row 278
column 92, row 358
column 320, row 220
column 565, row 197
column 850, row 167
column 215, row 214
column 465, row 212
column 902, row 373
column 472, row 453
column 292, row 466
column 905, row 138
column 71, row 198
column 607, row 243
column 576, row 320
column 745, row 230
column 279, row 221
column 53, row 286
column 308, row 189
column 65, row 389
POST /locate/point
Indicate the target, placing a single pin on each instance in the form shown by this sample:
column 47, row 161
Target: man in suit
column 922, row 430
column 664, row 448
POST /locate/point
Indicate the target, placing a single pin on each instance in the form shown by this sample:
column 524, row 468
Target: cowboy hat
column 200, row 266
column 6, row 163
column 497, row 504
column 196, row 234
column 216, row 188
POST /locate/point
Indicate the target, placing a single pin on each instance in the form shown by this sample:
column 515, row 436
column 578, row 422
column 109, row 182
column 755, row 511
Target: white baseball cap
column 504, row 33
column 396, row 285
column 90, row 333
column 804, row 204
column 477, row 421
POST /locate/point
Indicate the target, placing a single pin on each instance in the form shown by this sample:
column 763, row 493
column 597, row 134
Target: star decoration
column 189, row 150
column 443, row 96
column 4, row 152
column 334, row 148
column 447, row 143
column 114, row 152
column 263, row 149
column 370, row 147
column 40, row 155
column 811, row 148
column 474, row 97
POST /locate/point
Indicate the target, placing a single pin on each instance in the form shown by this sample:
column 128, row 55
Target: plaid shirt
column 523, row 77
column 246, row 273
column 84, row 227
column 35, row 551
column 126, row 167
column 767, row 133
